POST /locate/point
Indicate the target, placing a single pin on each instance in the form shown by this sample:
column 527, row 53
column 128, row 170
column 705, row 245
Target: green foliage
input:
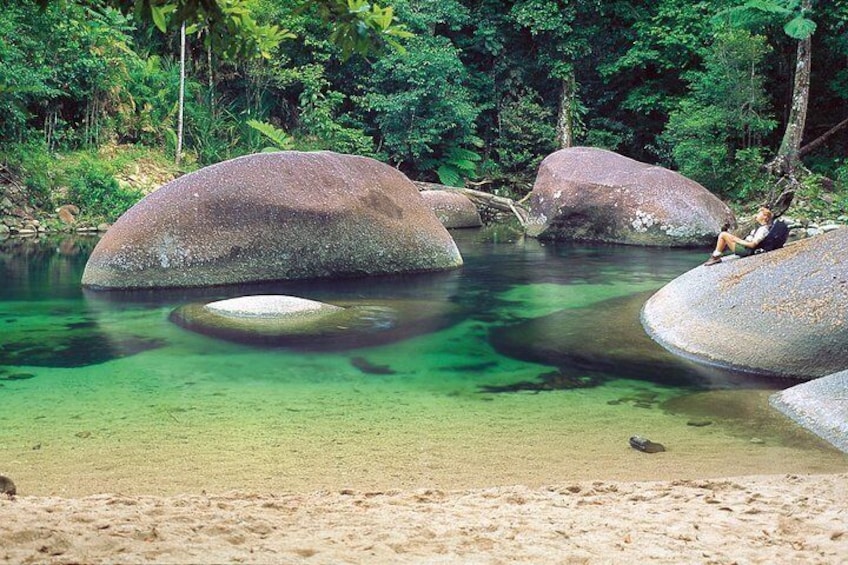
column 322, row 126
column 526, row 134
column 92, row 187
column 422, row 105
column 281, row 141
column 748, row 177
column 757, row 13
column 32, row 164
column 457, row 165
column 363, row 27
column 25, row 71
column 842, row 176
column 232, row 29
column 724, row 113
column 477, row 92
column 84, row 178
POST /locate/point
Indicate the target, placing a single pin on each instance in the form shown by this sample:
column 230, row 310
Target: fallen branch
column 822, row 138
column 480, row 198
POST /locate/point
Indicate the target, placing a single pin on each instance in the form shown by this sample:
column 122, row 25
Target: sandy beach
column 754, row 519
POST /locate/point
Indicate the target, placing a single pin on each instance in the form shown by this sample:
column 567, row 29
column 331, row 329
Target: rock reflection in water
column 587, row 345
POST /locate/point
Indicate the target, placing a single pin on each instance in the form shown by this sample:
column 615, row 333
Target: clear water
column 527, row 365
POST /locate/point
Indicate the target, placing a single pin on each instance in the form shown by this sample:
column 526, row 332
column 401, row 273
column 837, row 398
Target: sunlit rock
column 820, row 406
column 588, row 194
column 782, row 313
column 273, row 216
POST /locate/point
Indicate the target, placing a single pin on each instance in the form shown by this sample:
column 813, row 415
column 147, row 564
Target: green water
column 101, row 393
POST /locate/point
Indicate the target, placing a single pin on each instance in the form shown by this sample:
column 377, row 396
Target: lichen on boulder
column 589, row 194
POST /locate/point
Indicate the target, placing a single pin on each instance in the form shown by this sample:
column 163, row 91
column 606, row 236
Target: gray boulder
column 820, row 406
column 782, row 313
column 273, row 216
column 588, row 194
column 452, row 208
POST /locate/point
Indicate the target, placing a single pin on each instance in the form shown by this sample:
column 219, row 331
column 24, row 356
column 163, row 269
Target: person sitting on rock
column 742, row 247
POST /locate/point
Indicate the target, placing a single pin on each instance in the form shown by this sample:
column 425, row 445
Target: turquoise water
column 527, row 365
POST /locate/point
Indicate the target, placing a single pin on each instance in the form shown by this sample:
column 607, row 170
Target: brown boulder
column 452, row 208
column 781, row 313
column 273, row 216
column 588, row 194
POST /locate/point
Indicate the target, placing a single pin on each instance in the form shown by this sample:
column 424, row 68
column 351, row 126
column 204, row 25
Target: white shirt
column 757, row 235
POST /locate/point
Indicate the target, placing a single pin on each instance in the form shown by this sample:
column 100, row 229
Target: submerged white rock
column 269, row 306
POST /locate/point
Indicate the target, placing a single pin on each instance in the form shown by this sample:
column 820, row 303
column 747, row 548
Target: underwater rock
column 273, row 216
column 288, row 321
column 71, row 348
column 603, row 339
column 646, row 445
column 783, row 313
column 18, row 377
column 553, row 380
column 370, row 368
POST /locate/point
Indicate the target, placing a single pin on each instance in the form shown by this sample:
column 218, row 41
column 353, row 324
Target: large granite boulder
column 273, row 216
column 588, row 194
column 782, row 313
column 820, row 406
column 453, row 209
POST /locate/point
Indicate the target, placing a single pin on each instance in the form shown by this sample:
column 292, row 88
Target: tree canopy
column 452, row 91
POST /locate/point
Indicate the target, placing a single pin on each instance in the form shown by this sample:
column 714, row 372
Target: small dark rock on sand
column 7, row 487
column 646, row 445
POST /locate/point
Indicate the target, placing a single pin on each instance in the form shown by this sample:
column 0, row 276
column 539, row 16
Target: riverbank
column 754, row 519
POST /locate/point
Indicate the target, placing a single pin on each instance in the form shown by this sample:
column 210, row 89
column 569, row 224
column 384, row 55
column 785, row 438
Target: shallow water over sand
column 101, row 393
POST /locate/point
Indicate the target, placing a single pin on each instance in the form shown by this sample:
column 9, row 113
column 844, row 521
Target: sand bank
column 754, row 519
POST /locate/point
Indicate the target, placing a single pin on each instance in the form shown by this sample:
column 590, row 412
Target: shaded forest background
column 462, row 92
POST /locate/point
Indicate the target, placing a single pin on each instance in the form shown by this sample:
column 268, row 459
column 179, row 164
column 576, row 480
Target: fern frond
column 280, row 139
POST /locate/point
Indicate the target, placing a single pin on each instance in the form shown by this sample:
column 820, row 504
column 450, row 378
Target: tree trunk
column 565, row 118
column 788, row 158
column 181, row 103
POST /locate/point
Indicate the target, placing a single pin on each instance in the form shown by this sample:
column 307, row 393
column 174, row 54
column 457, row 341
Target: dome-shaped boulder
column 273, row 216
column 453, row 209
column 782, row 313
column 588, row 194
